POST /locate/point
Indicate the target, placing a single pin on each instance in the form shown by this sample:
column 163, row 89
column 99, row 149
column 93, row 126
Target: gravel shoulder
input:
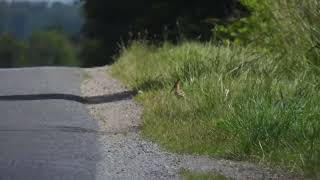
column 126, row 155
column 114, row 117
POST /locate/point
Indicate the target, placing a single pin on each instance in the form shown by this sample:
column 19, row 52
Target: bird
column 177, row 89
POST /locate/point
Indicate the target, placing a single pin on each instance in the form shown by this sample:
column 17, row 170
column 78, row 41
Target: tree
column 11, row 51
column 50, row 48
column 111, row 21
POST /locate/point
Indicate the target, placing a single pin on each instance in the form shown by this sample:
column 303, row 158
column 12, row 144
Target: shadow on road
column 70, row 97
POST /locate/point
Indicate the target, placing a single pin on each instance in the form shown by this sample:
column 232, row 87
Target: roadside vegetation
column 252, row 93
column 47, row 48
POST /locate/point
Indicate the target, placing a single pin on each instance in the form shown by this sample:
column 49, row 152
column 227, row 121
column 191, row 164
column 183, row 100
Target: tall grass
column 237, row 106
column 258, row 102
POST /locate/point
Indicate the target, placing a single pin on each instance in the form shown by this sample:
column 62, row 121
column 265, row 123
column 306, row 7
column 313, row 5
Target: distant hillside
column 22, row 18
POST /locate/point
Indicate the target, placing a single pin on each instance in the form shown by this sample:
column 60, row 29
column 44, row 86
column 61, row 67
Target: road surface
column 43, row 133
column 47, row 133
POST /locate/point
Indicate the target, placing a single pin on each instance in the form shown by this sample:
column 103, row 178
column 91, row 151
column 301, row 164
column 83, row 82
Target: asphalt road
column 45, row 132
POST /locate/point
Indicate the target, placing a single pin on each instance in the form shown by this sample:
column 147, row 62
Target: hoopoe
column 177, row 89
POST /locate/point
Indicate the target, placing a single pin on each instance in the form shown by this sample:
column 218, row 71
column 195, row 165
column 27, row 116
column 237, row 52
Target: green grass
column 187, row 175
column 241, row 102
column 257, row 101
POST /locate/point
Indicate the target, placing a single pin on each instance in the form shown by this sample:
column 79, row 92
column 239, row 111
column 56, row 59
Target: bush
column 49, row 48
column 11, row 51
column 95, row 53
column 286, row 26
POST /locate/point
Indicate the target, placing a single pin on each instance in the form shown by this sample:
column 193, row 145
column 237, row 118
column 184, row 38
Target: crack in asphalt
column 125, row 95
column 67, row 129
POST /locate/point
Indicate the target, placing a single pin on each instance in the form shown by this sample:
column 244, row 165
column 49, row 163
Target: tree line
column 107, row 24
column 50, row 48
column 39, row 34
column 110, row 22
column 21, row 18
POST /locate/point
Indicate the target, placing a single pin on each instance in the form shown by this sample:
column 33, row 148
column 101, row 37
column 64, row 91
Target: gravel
column 124, row 154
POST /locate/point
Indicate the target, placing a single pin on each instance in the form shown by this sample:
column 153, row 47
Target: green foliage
column 123, row 20
column 11, row 51
column 282, row 26
column 256, row 97
column 41, row 49
column 49, row 48
column 94, row 53
column 255, row 28
column 240, row 102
